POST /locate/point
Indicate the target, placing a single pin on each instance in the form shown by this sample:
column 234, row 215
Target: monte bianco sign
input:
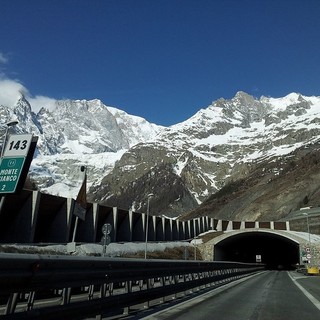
column 11, row 166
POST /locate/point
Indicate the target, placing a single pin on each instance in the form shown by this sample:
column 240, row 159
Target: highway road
column 270, row 295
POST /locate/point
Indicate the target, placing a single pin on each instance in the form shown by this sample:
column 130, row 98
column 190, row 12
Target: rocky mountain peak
column 243, row 99
column 232, row 142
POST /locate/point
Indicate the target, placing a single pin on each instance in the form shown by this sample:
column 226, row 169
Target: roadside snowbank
column 112, row 250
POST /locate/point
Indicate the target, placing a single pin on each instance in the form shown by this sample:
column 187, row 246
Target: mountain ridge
column 183, row 165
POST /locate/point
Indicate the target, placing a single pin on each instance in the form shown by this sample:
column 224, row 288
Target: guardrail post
column 196, row 277
column 30, row 300
column 128, row 289
column 147, row 303
column 175, row 281
column 185, row 280
column 103, row 290
column 91, row 292
column 12, row 303
column 66, row 295
column 110, row 289
column 162, row 284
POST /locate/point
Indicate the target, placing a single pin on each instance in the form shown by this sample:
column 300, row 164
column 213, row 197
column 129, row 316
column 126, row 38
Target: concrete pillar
column 230, row 226
column 130, row 216
column 164, row 225
column 211, row 223
column 182, row 230
column 144, row 222
column 219, row 225
column 2, row 200
column 206, row 223
column 70, row 204
column 200, row 222
column 170, row 229
column 153, row 233
column 175, row 229
column 115, row 224
column 196, row 226
column 95, row 214
column 288, row 225
column 36, row 196
column 187, row 229
column 272, row 225
column 151, row 227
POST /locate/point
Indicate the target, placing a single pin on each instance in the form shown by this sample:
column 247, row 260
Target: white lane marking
column 305, row 292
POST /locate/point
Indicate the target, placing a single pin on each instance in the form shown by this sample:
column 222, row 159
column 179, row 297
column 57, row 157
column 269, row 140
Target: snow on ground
column 69, row 182
column 314, row 238
column 112, row 250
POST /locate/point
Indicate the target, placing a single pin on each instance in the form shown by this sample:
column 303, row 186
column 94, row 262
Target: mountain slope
column 237, row 144
column 270, row 191
column 219, row 145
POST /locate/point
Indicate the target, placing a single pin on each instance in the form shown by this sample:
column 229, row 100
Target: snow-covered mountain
column 75, row 133
column 183, row 165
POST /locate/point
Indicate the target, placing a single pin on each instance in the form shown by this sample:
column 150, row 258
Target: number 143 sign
column 11, row 166
column 18, row 145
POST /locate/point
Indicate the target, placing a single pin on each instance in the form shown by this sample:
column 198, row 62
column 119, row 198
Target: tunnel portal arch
column 277, row 251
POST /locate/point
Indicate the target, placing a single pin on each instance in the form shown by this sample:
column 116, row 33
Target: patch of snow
column 112, row 250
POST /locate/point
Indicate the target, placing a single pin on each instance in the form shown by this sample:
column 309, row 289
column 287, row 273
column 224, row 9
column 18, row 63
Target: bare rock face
column 270, row 191
column 141, row 171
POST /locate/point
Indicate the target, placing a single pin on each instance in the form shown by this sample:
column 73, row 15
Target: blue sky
column 159, row 59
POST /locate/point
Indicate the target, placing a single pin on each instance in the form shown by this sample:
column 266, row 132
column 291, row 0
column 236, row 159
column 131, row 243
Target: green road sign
column 10, row 170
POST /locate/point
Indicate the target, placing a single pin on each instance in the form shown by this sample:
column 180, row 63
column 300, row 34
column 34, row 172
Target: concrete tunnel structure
column 277, row 249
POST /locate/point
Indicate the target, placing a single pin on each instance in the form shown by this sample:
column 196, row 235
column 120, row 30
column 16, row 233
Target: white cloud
column 3, row 58
column 11, row 91
column 41, row 101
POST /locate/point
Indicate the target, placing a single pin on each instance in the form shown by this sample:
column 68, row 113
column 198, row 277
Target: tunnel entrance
column 276, row 251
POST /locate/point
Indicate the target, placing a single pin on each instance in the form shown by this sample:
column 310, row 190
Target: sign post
column 106, row 230
column 12, row 161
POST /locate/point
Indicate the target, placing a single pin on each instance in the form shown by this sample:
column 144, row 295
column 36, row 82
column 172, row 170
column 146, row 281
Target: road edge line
column 305, row 292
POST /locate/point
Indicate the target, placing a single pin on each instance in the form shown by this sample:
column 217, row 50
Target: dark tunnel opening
column 276, row 251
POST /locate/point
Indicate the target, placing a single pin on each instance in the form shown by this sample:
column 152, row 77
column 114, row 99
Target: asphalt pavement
column 270, row 295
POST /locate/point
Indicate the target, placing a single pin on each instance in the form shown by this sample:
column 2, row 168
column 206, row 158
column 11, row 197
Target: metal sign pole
column 75, row 229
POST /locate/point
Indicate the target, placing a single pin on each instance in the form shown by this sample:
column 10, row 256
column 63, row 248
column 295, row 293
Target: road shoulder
column 309, row 286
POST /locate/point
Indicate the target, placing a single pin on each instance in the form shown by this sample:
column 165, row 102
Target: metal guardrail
column 54, row 287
